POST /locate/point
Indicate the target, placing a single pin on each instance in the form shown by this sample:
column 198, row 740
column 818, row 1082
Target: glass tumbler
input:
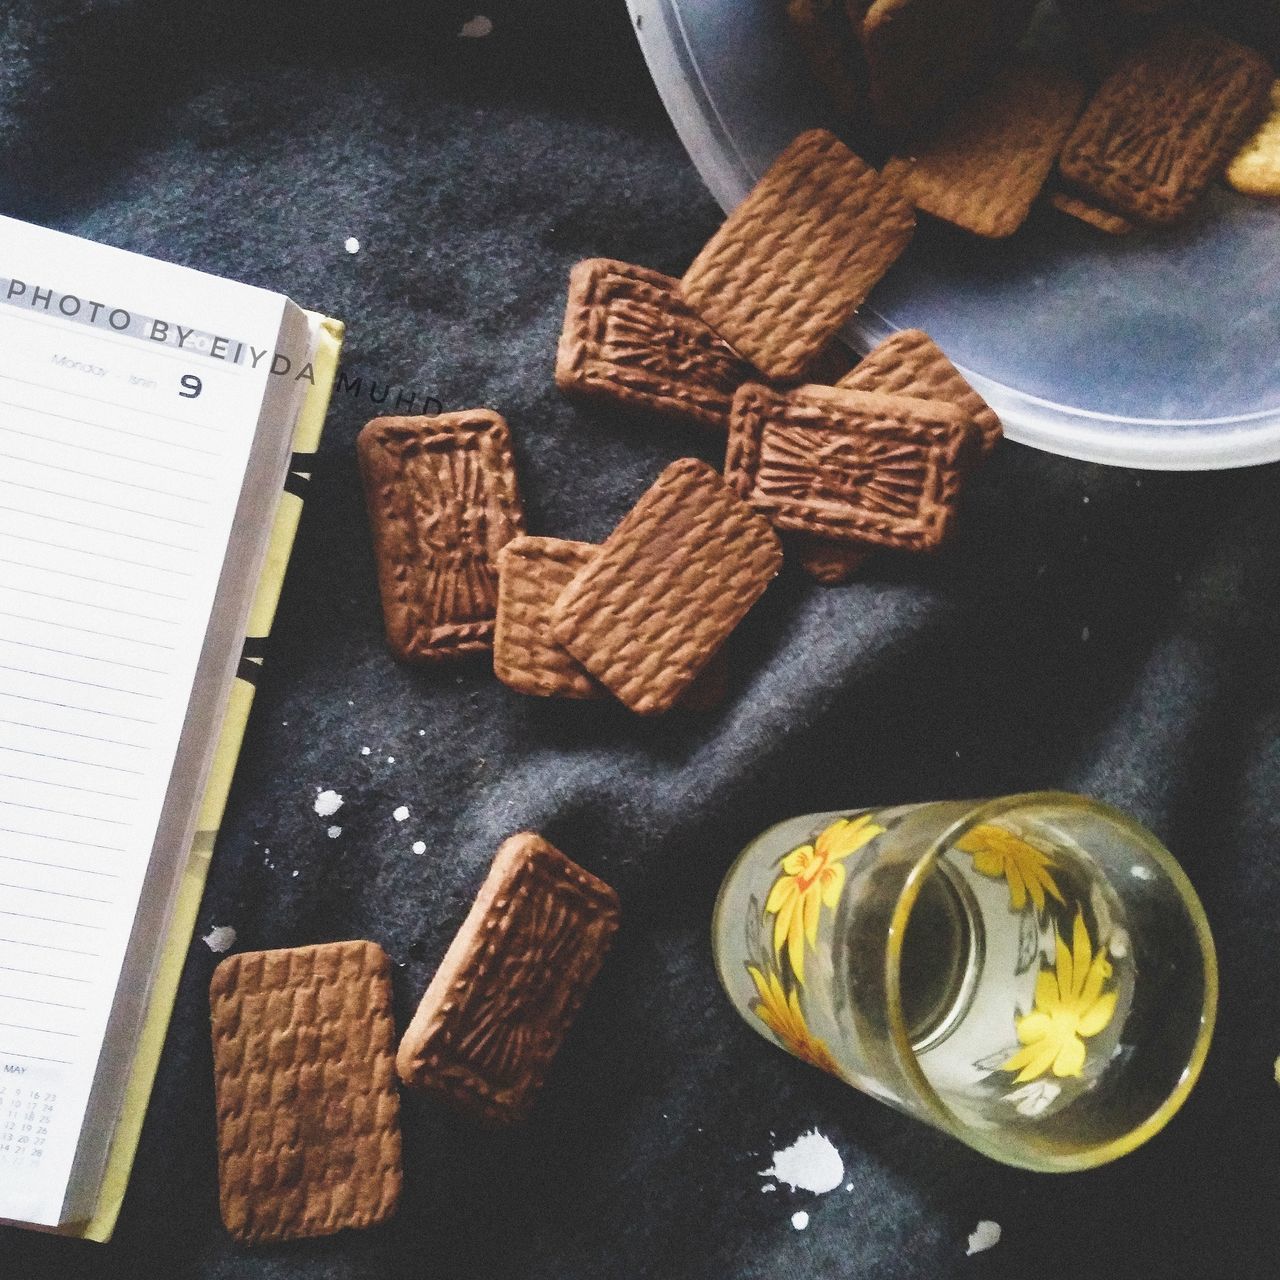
column 1034, row 975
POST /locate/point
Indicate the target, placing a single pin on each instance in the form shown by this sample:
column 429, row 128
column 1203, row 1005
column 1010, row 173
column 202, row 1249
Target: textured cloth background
column 1099, row 630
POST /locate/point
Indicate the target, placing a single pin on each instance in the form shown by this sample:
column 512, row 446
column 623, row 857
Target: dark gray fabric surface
column 1094, row 629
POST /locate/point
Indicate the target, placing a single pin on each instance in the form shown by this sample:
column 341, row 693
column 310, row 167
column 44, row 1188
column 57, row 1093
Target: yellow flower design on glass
column 1000, row 854
column 813, row 878
column 781, row 1013
column 1070, row 1006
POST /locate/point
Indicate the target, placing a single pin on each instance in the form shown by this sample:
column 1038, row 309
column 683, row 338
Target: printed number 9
column 193, row 386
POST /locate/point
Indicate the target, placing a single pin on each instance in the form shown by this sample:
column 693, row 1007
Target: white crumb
column 799, row 1219
column 986, row 1235
column 810, row 1163
column 391, row 759
column 422, row 733
column 769, row 1186
column 1084, row 634
column 328, row 803
column 419, row 846
column 334, row 832
column 476, row 28
column 351, row 244
column 364, row 751
column 848, row 1186
column 222, row 937
column 295, row 873
column 401, row 813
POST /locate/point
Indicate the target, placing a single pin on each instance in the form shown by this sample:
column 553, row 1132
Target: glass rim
column 944, row 1117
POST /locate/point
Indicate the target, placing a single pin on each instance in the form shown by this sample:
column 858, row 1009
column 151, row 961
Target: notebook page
column 118, row 486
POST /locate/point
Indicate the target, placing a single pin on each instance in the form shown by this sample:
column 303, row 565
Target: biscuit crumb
column 476, row 28
column 222, row 937
column 328, row 803
column 986, row 1235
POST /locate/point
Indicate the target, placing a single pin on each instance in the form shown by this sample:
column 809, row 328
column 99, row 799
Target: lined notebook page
column 117, row 495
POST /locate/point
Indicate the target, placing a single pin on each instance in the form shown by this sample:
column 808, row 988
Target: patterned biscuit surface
column 442, row 501
column 308, row 1113
column 1166, row 121
column 856, row 466
column 910, row 363
column 984, row 168
column 532, row 572
column 629, row 339
column 511, row 983
column 1255, row 171
column 798, row 255
column 667, row 587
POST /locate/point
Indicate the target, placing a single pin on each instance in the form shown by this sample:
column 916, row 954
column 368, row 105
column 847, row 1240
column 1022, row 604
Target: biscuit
column 984, row 168
column 667, row 587
column 921, row 54
column 1165, row 123
column 308, row 1113
column 442, row 501
column 1093, row 215
column 794, row 260
column 532, row 572
column 825, row 39
column 630, row 340
column 1255, row 171
column 853, row 466
column 511, row 982
column 910, row 363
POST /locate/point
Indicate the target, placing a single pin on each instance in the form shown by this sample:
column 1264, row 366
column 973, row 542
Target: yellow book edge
column 146, row 1060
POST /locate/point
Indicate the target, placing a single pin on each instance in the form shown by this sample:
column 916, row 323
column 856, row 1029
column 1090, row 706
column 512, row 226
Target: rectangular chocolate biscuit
column 629, row 339
column 923, row 54
column 794, row 260
column 985, row 166
column 855, row 466
column 910, row 363
column 668, row 586
column 308, row 1113
column 511, row 982
column 532, row 572
column 442, row 501
column 1166, row 121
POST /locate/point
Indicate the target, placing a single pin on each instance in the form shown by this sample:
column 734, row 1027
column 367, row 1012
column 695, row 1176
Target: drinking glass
column 1034, row 975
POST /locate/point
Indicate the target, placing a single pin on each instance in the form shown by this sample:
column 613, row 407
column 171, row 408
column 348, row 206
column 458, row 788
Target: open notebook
column 147, row 418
